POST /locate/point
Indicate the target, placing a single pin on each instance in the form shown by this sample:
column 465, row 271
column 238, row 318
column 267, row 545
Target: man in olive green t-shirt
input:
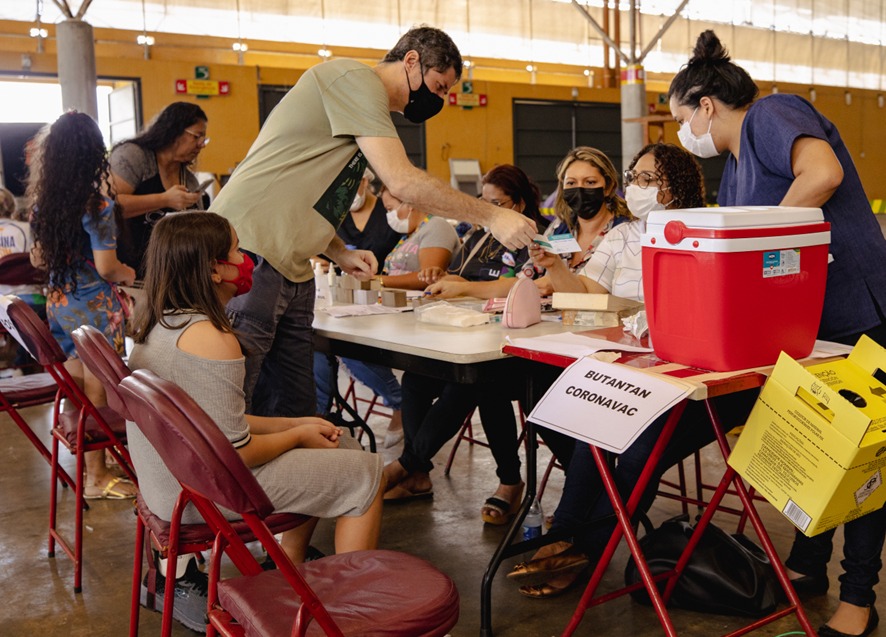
column 287, row 198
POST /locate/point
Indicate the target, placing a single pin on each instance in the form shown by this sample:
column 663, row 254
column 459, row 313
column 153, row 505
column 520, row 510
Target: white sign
column 8, row 325
column 606, row 404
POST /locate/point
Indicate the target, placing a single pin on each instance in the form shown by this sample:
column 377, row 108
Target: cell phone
column 204, row 185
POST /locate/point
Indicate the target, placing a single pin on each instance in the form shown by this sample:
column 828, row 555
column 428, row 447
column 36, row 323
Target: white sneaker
column 392, row 438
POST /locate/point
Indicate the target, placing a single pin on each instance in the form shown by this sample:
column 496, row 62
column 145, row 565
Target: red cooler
column 730, row 288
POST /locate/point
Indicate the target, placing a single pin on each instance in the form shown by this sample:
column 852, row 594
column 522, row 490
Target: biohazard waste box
column 814, row 445
column 731, row 288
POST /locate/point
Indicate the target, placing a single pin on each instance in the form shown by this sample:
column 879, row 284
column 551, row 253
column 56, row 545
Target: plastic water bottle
column 533, row 521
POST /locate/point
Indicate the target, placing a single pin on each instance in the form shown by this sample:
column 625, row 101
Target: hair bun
column 708, row 50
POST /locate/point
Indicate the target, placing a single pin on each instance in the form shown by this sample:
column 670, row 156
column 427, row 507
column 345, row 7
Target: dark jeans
column 862, row 539
column 428, row 425
column 274, row 324
column 378, row 378
column 584, row 498
column 862, row 549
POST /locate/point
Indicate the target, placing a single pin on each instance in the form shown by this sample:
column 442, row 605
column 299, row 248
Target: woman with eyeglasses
column 660, row 177
column 152, row 175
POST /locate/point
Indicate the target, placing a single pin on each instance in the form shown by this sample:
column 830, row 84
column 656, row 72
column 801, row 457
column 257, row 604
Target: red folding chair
column 359, row 593
column 169, row 539
column 85, row 428
column 19, row 392
column 16, row 270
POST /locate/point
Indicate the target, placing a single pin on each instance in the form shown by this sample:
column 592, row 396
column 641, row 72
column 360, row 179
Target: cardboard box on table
column 814, row 444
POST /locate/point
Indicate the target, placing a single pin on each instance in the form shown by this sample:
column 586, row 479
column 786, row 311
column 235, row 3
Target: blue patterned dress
column 95, row 302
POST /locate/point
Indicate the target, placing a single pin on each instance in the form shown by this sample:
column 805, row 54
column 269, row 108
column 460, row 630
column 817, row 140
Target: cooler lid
column 736, row 217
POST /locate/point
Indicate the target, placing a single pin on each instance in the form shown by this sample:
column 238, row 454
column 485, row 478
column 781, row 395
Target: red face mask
column 244, row 274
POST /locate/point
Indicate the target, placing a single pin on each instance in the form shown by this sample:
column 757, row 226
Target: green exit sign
column 201, row 72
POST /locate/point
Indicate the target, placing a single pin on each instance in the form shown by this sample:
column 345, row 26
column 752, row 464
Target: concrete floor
column 37, row 597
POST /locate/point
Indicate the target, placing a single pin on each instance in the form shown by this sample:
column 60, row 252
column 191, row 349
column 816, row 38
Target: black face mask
column 423, row 104
column 584, row 202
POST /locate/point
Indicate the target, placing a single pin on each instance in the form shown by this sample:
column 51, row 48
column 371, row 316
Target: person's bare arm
column 427, row 258
column 110, row 268
column 817, row 173
column 205, row 341
column 177, row 197
column 450, row 288
column 429, row 194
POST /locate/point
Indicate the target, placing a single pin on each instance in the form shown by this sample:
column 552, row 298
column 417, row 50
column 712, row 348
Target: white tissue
column 444, row 313
column 636, row 324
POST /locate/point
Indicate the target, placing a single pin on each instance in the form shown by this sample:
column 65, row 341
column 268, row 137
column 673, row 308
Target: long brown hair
column 178, row 277
column 598, row 159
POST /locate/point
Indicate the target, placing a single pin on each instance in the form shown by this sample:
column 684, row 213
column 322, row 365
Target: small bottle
column 533, row 521
column 324, row 294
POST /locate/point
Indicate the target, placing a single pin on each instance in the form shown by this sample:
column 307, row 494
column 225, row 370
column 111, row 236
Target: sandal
column 498, row 511
column 541, row 570
column 402, row 494
column 547, row 590
column 109, row 491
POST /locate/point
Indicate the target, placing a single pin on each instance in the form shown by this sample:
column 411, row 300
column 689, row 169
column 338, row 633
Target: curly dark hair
column 168, row 126
column 711, row 73
column 681, row 171
column 68, row 172
column 517, row 185
column 436, row 49
column 181, row 253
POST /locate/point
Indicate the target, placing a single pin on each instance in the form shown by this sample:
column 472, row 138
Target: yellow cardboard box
column 814, row 444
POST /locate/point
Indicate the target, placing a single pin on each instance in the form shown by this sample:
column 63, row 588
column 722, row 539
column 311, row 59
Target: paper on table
column 573, row 345
column 827, row 349
column 341, row 311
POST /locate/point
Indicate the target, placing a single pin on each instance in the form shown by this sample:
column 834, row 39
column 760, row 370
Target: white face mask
column 642, row 201
column 359, row 200
column 699, row 145
column 397, row 224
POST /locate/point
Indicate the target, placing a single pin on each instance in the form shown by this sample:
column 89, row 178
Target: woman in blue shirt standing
column 784, row 152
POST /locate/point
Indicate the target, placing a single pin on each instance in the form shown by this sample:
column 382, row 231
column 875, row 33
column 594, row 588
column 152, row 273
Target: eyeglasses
column 501, row 203
column 643, row 179
column 201, row 138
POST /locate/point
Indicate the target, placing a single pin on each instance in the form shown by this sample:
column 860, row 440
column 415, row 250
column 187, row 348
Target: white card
column 558, row 243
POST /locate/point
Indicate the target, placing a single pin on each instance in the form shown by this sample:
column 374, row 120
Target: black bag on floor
column 726, row 575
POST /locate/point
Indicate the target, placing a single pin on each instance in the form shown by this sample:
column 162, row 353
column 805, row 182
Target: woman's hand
column 431, row 275
column 309, row 420
column 180, row 198
column 447, row 289
column 128, row 277
column 544, row 285
column 543, row 259
column 319, row 435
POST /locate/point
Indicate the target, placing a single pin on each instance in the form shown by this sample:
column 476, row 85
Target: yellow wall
column 484, row 133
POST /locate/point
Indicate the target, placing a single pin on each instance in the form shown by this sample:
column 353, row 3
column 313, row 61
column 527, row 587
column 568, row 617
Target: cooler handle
column 675, row 231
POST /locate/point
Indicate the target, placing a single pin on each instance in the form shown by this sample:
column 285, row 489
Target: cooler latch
column 674, row 232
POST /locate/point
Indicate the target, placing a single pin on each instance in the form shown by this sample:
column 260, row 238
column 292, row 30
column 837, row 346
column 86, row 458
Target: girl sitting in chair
column 193, row 268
